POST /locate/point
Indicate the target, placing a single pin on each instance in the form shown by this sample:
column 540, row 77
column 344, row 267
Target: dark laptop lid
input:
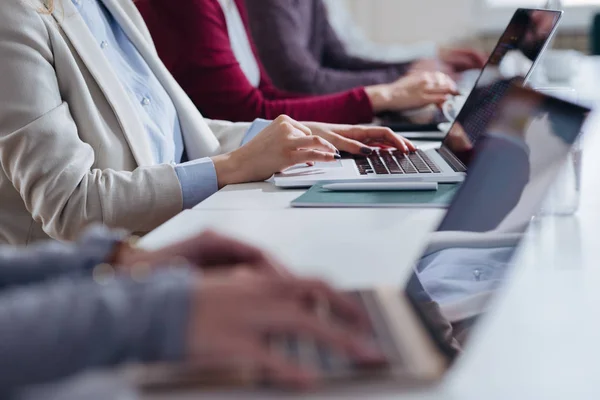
column 515, row 55
column 469, row 256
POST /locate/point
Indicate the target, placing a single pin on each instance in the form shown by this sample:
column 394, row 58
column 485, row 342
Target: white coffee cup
column 452, row 106
column 561, row 65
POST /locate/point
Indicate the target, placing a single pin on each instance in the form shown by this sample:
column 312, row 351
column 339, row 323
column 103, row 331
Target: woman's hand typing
column 286, row 142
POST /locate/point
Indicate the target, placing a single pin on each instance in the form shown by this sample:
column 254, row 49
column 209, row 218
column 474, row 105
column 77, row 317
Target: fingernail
column 366, row 150
column 337, row 156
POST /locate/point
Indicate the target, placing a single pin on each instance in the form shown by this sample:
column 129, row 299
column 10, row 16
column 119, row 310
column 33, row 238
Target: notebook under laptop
column 423, row 328
column 514, row 57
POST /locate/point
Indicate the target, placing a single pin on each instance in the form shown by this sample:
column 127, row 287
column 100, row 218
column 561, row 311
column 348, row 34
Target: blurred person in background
column 303, row 53
column 207, row 46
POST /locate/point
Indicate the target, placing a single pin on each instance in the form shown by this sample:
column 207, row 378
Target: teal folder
column 319, row 197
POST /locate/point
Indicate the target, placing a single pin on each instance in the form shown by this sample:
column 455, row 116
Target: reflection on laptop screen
column 469, row 255
column 513, row 58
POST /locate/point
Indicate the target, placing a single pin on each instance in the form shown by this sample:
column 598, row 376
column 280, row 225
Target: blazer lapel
column 199, row 139
column 90, row 53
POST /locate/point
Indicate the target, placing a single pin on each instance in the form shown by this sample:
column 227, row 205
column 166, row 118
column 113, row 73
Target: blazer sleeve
column 43, row 156
column 207, row 69
column 58, row 328
column 278, row 29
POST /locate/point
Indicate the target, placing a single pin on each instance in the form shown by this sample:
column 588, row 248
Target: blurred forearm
column 52, row 330
column 27, row 265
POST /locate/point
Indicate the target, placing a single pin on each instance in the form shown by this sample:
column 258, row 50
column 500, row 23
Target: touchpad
column 318, row 165
column 331, row 164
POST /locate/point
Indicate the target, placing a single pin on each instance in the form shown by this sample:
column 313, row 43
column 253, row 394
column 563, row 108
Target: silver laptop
column 424, row 328
column 514, row 57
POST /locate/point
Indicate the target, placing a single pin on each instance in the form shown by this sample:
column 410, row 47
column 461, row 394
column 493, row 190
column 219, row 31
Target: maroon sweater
column 192, row 40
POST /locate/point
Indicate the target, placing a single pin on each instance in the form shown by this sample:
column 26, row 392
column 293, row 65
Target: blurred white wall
column 446, row 21
column 407, row 21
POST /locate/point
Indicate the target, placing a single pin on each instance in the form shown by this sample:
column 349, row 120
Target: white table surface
column 540, row 342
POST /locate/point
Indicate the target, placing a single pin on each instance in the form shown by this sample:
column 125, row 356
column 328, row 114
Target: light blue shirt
column 153, row 104
column 454, row 274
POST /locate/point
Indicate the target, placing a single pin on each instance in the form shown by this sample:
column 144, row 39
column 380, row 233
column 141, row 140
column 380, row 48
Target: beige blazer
column 72, row 149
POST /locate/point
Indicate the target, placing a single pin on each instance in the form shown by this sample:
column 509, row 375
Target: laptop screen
column 469, row 257
column 514, row 57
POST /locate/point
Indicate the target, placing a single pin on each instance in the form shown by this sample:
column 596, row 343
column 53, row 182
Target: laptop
column 424, row 328
column 429, row 125
column 514, row 57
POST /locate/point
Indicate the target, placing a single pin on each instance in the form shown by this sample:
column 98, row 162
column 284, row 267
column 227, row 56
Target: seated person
column 207, row 47
column 64, row 310
column 93, row 128
column 302, row 53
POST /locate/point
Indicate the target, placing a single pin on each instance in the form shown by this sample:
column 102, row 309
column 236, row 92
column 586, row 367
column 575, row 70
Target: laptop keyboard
column 386, row 162
column 309, row 353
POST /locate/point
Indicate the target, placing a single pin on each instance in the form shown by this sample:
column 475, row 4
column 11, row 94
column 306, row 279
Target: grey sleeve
column 36, row 263
column 336, row 55
column 279, row 31
column 58, row 328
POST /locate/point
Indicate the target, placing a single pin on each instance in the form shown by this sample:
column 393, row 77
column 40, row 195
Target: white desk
column 541, row 341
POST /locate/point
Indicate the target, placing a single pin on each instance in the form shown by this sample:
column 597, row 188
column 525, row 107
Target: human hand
column 358, row 139
column 412, row 91
column 233, row 317
column 430, row 65
column 208, row 250
column 462, row 59
column 284, row 143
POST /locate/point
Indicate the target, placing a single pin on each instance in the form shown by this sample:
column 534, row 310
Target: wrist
column 127, row 254
column 229, row 170
column 379, row 95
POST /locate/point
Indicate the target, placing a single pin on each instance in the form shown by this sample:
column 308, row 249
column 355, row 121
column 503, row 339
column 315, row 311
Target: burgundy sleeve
column 192, row 39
